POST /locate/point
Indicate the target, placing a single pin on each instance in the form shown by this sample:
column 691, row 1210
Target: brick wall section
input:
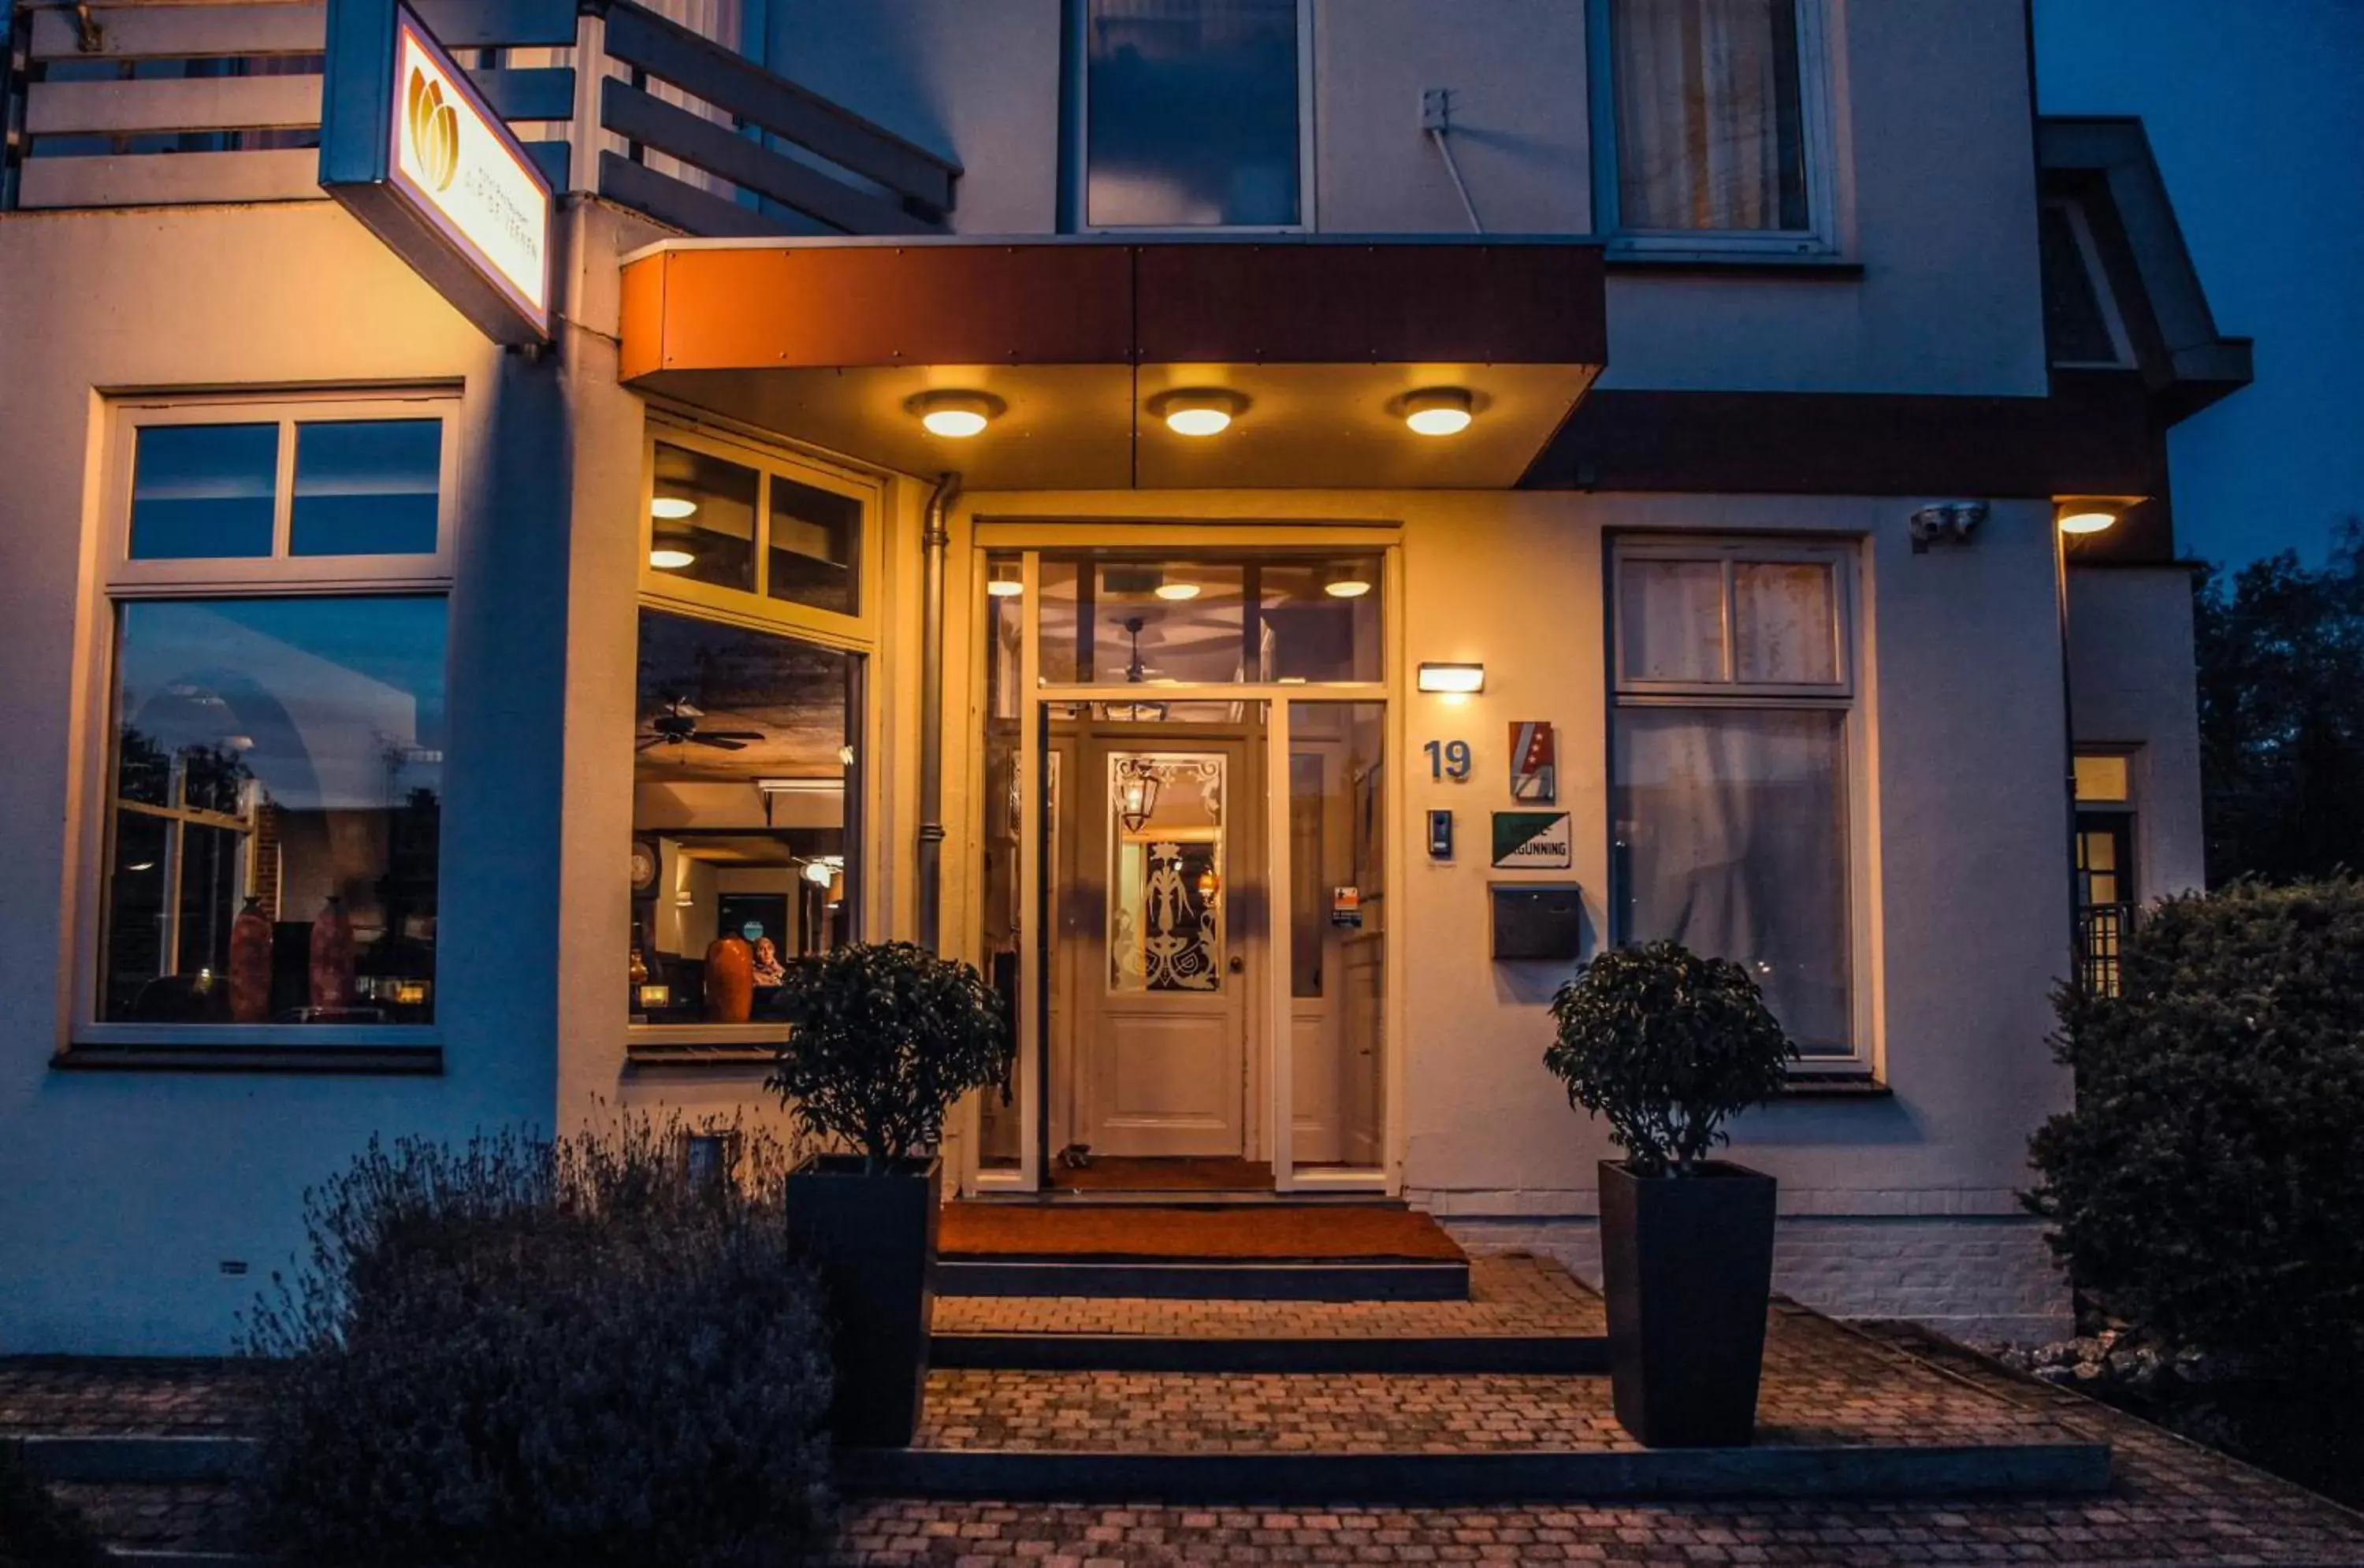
column 1984, row 1277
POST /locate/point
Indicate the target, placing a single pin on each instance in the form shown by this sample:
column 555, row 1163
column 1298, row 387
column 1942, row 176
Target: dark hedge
column 2209, row 1185
column 37, row 1530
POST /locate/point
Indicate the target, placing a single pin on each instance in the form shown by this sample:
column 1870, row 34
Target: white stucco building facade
column 688, row 580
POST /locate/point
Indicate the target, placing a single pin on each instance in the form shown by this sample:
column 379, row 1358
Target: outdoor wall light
column 955, row 416
column 672, row 508
column 1177, row 591
column 1438, row 411
column 1453, row 680
column 2086, row 518
column 1199, row 411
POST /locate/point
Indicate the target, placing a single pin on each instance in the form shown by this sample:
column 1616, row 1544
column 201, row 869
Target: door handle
column 1239, row 964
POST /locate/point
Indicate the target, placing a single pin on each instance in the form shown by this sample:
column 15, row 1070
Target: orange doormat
column 1266, row 1232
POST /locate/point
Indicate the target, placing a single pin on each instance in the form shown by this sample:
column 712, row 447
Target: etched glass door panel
column 1165, row 872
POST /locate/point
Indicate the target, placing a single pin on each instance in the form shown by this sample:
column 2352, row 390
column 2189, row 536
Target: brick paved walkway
column 1823, row 1387
column 1507, row 1295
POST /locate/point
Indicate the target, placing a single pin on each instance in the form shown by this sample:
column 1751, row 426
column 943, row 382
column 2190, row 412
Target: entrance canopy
column 1070, row 347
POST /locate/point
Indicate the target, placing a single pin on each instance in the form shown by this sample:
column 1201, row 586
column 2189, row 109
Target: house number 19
column 1448, row 759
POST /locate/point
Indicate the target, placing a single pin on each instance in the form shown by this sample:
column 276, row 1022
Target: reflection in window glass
column 814, row 541
column 1709, row 126
column 1731, row 839
column 1193, row 112
column 203, row 490
column 744, row 816
column 702, row 518
column 366, row 487
column 278, row 775
column 1147, row 622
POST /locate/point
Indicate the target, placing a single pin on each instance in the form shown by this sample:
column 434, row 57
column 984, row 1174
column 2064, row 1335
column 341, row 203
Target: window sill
column 1821, row 268
column 297, row 1061
column 703, row 1045
column 1834, row 1086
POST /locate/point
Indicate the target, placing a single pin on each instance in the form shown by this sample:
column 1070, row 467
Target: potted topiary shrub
column 1668, row 1045
column 882, row 1039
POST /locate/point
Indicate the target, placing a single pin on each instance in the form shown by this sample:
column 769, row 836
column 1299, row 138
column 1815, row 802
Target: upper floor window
column 1193, row 113
column 1709, row 117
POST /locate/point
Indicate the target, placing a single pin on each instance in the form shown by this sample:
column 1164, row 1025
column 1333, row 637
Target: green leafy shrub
column 883, row 1037
column 522, row 1352
column 36, row 1529
column 1669, row 1046
column 2209, row 1185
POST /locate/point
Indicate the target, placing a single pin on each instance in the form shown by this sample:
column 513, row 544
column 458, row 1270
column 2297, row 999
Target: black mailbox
column 1538, row 921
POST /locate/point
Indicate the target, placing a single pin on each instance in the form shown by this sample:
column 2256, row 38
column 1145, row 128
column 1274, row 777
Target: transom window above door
column 1109, row 617
column 1711, row 125
column 1192, row 114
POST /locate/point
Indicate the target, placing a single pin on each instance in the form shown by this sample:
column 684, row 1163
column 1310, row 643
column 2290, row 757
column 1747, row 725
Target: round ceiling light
column 666, row 556
column 1178, row 591
column 1199, row 411
column 2085, row 519
column 1005, row 587
column 1349, row 580
column 672, row 508
column 1438, row 411
column 955, row 416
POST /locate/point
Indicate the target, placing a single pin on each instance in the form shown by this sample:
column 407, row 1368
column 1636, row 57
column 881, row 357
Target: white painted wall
column 1936, row 169
column 2132, row 684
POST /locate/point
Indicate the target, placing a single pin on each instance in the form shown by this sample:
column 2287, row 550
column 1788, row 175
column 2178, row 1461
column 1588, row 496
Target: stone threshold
column 1447, row 1479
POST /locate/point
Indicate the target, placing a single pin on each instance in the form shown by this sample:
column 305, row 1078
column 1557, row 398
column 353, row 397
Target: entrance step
column 1520, row 1314
column 1261, row 1252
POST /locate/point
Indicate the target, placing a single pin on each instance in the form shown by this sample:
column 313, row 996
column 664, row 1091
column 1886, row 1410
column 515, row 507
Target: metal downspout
column 933, row 542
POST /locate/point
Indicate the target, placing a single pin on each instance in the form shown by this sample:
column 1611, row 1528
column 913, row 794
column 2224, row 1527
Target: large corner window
column 1731, row 778
column 1193, row 113
column 1710, row 121
column 2082, row 326
column 745, row 852
column 270, row 831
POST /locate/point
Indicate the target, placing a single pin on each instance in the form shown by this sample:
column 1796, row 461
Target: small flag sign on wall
column 1534, row 763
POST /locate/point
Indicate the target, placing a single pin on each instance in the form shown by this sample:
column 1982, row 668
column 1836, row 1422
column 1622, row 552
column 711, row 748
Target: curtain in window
column 1708, row 119
column 1731, row 829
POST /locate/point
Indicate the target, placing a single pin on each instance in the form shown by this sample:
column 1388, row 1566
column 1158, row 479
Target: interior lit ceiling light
column 955, row 416
column 1345, row 581
column 1178, row 591
column 1005, row 587
column 1199, row 411
column 2085, row 521
column 1438, row 411
column 669, row 551
column 672, row 508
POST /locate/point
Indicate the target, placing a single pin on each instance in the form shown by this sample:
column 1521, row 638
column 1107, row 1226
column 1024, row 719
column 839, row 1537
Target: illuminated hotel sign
column 411, row 148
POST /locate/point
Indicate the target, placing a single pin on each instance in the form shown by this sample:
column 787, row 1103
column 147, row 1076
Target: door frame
column 1270, row 991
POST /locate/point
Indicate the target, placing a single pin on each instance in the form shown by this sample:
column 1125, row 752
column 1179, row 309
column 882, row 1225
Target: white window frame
column 1842, row 696
column 1078, row 137
column 122, row 581
column 757, row 611
column 2097, row 278
column 1817, row 123
column 755, row 607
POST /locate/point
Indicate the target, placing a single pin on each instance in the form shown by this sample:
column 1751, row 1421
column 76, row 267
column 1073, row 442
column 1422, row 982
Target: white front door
column 1165, row 860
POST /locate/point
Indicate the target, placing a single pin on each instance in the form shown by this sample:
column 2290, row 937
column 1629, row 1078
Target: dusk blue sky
column 2255, row 110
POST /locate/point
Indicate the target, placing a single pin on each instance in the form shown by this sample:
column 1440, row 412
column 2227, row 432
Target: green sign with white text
column 1537, row 840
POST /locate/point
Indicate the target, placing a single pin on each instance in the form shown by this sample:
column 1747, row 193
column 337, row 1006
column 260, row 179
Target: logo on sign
column 1534, row 840
column 1535, row 762
column 434, row 127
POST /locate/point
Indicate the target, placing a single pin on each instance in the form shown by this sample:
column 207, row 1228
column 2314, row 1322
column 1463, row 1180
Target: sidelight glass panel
column 1338, row 917
column 1165, row 927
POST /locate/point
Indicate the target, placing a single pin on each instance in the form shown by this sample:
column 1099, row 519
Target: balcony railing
column 180, row 101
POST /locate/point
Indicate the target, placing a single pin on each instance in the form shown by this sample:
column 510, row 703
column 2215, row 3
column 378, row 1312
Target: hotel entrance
column 1183, row 869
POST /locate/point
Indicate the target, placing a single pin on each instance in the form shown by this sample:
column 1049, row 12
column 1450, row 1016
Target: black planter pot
column 874, row 1241
column 1687, row 1267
